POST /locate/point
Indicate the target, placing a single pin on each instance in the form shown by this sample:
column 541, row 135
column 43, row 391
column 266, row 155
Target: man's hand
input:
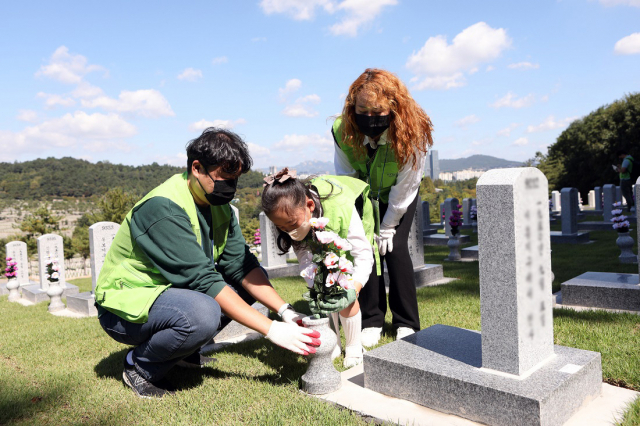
column 385, row 239
column 296, row 339
column 333, row 303
column 289, row 315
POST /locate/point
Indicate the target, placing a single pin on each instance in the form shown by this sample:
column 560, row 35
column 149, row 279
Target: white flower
column 47, row 276
column 616, row 211
column 345, row 265
column 331, row 260
column 55, row 276
column 332, row 278
column 617, row 204
column 326, row 237
column 342, row 244
column 346, row 281
column 319, row 222
column 309, row 272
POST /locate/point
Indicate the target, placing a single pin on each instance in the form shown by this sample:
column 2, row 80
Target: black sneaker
column 195, row 360
column 142, row 387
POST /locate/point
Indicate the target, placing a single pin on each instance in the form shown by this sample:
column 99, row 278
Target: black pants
column 626, row 187
column 402, row 289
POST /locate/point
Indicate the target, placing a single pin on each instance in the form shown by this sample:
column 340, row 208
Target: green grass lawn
column 68, row 371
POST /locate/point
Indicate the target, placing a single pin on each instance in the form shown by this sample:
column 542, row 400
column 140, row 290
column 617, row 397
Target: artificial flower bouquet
column 455, row 220
column 330, row 271
column 11, row 271
column 620, row 222
column 53, row 274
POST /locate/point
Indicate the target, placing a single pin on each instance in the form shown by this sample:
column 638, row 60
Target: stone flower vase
column 454, row 248
column 625, row 242
column 13, row 287
column 55, row 293
column 321, row 376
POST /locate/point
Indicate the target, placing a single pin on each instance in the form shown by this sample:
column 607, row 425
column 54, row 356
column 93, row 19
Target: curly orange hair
column 410, row 128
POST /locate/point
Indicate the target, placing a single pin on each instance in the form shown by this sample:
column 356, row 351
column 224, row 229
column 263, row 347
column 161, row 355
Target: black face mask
column 223, row 191
column 372, row 125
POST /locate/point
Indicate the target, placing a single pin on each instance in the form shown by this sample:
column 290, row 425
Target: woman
column 382, row 138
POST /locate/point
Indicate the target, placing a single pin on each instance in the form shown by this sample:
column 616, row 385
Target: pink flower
column 319, row 222
column 342, row 244
column 331, row 261
column 309, row 272
column 326, row 237
column 346, row 281
column 332, row 279
column 345, row 265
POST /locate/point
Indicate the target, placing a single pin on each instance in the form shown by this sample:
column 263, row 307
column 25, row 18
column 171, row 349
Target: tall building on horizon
column 432, row 165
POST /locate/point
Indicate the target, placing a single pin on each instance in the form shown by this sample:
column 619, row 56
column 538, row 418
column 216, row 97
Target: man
column 626, row 184
column 179, row 266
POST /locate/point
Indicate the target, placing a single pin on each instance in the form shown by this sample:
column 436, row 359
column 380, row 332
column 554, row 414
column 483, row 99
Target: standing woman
column 382, row 138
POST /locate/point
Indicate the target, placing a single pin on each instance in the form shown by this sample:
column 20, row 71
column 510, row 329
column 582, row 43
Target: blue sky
column 133, row 82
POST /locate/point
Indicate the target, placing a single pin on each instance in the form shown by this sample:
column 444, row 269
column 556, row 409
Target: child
column 290, row 203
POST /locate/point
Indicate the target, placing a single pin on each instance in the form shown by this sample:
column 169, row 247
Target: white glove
column 296, row 339
column 385, row 240
column 289, row 315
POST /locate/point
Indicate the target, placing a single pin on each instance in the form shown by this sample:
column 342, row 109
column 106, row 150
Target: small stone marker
column 619, row 196
column 511, row 373
column 591, row 198
column 273, row 262
column 17, row 250
column 466, row 211
column 427, row 228
column 598, row 197
column 609, row 191
column 555, row 200
column 570, row 233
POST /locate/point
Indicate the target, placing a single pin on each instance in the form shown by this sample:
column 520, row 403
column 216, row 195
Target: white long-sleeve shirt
column 402, row 192
column 361, row 251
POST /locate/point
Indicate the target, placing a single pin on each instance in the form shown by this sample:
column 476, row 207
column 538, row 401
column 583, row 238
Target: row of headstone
column 447, row 207
column 511, row 372
column 570, row 209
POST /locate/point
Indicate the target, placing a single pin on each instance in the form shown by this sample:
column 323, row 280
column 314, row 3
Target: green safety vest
column 627, row 174
column 342, row 192
column 380, row 172
column 129, row 283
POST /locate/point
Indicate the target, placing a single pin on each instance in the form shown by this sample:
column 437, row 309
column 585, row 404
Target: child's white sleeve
column 361, row 250
column 304, row 259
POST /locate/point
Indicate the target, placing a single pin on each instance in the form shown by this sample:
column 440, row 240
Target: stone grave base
column 82, row 304
column 427, row 232
column 440, row 368
column 234, row 332
column 436, row 225
column 423, row 275
column 603, row 290
column 603, row 411
column 3, row 289
column 33, row 293
column 288, row 270
column 470, row 253
column 579, row 238
column 557, row 303
column 441, row 239
column 595, row 226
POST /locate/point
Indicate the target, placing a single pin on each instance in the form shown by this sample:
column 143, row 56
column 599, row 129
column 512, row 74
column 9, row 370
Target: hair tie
column 280, row 177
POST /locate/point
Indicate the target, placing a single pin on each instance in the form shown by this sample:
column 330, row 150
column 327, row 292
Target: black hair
column 219, row 147
column 290, row 195
column 621, row 152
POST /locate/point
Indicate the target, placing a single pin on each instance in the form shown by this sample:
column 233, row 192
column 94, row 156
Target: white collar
column 373, row 144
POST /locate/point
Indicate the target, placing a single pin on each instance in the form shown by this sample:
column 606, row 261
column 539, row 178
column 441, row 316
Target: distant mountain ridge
column 308, row 168
column 476, row 162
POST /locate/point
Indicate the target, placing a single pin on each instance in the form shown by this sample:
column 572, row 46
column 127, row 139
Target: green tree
column 39, row 222
column 114, row 206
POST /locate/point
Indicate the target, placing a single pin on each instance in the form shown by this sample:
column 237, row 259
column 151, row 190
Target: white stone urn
column 14, row 289
column 321, row 376
column 55, row 293
column 625, row 242
column 454, row 248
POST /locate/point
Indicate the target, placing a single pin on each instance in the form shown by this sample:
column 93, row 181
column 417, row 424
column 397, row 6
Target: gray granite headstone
column 416, row 247
column 466, row 211
column 515, row 269
column 591, row 199
column 270, row 252
column 101, row 236
column 17, row 250
column 555, row 201
column 449, row 205
column 598, row 196
column 609, row 192
column 619, row 195
column 569, row 211
column 50, row 248
column 426, row 221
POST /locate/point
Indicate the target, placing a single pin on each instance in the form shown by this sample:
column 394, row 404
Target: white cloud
column 521, row 142
column 609, row 3
column 224, row 124
column 53, row 100
column 550, row 123
column 147, row 103
column 179, row 159
column 257, row 151
column 301, row 143
column 27, row 115
column 524, row 66
column 190, row 74
column 66, row 67
column 102, row 146
column 440, row 65
column 490, row 68
column 358, row 13
column 465, row 121
column 290, row 86
column 507, row 130
column 629, row 45
column 86, row 90
column 301, row 107
column 510, row 100
column 219, row 60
